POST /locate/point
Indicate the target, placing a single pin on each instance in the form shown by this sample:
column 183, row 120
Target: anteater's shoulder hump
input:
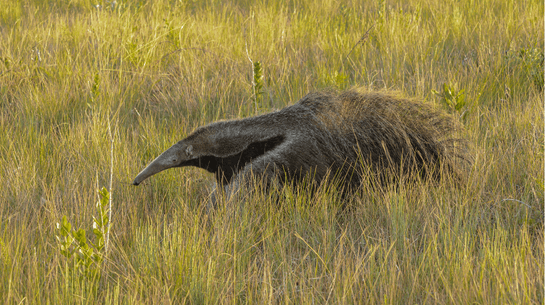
column 317, row 101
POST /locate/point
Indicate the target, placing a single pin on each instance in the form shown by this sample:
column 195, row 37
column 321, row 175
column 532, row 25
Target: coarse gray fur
column 325, row 133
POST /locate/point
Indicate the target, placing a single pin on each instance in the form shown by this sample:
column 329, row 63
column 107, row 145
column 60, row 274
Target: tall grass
column 72, row 71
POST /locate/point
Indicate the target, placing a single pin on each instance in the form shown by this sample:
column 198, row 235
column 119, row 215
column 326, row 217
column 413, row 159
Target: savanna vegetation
column 91, row 91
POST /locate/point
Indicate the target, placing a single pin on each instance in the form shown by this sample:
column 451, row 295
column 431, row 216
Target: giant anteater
column 326, row 134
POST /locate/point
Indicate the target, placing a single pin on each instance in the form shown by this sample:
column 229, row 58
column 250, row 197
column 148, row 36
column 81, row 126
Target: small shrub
column 95, row 87
column 531, row 60
column 454, row 100
column 257, row 82
column 82, row 253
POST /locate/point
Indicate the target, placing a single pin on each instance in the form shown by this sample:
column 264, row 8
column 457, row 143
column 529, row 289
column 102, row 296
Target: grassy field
column 89, row 94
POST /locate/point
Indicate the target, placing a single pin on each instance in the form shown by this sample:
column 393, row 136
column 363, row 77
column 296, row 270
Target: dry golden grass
column 153, row 71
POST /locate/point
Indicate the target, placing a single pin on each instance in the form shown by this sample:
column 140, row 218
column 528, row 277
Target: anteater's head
column 214, row 149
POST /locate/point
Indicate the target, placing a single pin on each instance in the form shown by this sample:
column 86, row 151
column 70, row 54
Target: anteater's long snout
column 168, row 159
